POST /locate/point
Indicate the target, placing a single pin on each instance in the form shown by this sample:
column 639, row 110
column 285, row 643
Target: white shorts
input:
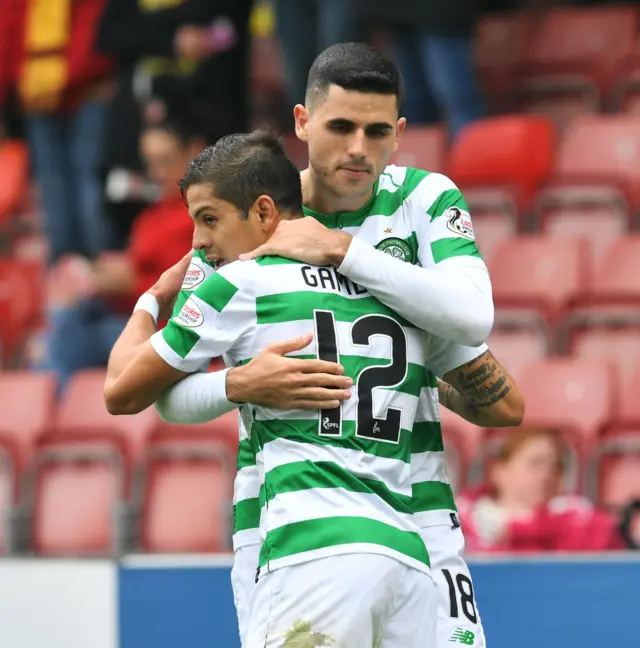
column 458, row 619
column 243, row 582
column 354, row 600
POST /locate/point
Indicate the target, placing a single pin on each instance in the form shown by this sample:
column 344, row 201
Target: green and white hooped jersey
column 416, row 216
column 331, row 481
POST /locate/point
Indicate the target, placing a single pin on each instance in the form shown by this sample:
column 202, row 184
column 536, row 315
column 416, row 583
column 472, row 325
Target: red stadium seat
column 81, row 474
column 619, row 345
column 27, row 402
column 82, row 417
column 500, row 162
column 21, row 299
column 186, row 501
column 616, row 279
column 571, row 57
column 536, row 273
column 424, row 147
column 491, row 230
column 629, row 412
column 223, row 430
column 575, row 396
column 515, row 348
column 76, row 493
column 597, row 173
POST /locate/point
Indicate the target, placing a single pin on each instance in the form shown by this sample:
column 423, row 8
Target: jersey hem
column 359, row 548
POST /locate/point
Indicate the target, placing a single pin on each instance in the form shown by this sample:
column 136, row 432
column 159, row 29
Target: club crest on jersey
column 190, row 316
column 397, row 248
column 459, row 222
column 193, row 277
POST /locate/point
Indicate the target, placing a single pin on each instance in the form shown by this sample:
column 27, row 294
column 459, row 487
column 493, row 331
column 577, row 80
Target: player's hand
column 304, row 240
column 271, row 380
column 167, row 288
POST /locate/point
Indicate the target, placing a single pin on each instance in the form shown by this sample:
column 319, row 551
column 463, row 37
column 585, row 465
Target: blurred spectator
column 523, row 509
column 64, row 85
column 170, row 53
column 90, row 303
column 307, row 27
column 433, row 43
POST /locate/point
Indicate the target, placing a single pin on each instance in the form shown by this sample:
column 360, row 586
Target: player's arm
column 482, row 392
column 210, row 322
column 474, row 385
column 449, row 294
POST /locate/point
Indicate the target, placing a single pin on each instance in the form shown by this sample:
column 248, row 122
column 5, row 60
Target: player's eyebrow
column 201, row 211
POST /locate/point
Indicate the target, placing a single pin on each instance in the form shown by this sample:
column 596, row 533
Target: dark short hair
column 243, row 166
column 354, row 66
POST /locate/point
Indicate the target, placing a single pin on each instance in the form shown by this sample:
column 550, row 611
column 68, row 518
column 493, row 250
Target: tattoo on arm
column 473, row 388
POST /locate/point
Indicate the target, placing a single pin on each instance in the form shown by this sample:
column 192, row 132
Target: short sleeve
column 211, row 322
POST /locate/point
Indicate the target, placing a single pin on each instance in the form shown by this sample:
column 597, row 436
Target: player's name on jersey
column 329, row 279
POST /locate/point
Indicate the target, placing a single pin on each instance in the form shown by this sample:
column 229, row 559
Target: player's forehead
column 361, row 108
column 200, row 198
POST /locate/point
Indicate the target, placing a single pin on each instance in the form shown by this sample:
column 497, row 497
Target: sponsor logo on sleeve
column 190, row 316
column 459, row 222
column 193, row 277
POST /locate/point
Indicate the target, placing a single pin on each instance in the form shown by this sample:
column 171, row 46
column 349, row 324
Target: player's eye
column 209, row 220
column 340, row 127
column 377, row 133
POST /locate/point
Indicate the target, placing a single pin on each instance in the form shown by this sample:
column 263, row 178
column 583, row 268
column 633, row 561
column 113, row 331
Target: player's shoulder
column 415, row 184
column 198, row 271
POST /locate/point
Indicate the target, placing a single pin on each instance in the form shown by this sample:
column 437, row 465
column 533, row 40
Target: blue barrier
column 566, row 602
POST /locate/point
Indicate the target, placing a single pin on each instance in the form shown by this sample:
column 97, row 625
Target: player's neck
column 317, row 196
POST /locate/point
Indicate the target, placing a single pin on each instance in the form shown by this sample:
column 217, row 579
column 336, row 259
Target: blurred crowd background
column 531, row 107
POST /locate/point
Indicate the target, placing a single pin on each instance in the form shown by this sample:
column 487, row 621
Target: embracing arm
column 453, row 301
column 482, row 392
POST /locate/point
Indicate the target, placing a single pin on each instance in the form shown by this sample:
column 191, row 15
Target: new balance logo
column 465, row 637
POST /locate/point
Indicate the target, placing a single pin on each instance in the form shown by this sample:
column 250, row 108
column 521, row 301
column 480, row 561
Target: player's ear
column 400, row 126
column 266, row 212
column 301, row 116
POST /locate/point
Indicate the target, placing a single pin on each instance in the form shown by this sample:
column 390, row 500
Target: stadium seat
column 80, row 477
column 570, row 59
column 625, row 92
column 500, row 162
column 491, row 230
column 424, row 147
column 596, row 175
column 21, row 299
column 619, row 345
column 575, row 396
column 27, row 405
column 616, row 278
column 82, row 417
column 628, row 415
column 537, row 274
column 186, row 496
column 517, row 347
column 75, row 494
column 223, row 430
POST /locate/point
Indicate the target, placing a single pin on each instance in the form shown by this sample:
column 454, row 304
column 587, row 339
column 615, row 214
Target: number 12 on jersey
column 389, row 375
